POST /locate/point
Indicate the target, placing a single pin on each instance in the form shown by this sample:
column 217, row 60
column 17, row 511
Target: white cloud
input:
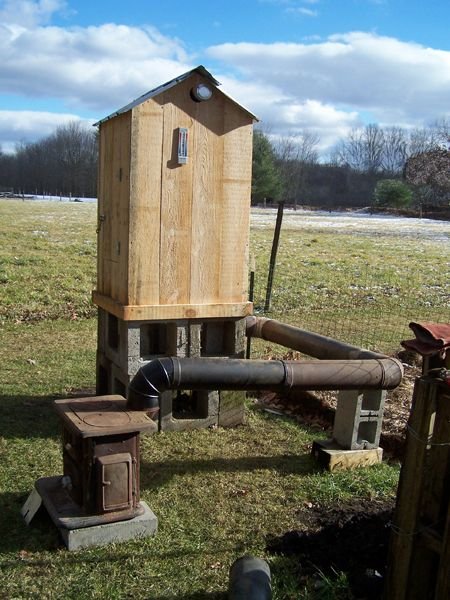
column 327, row 86
column 27, row 126
column 92, row 67
column 28, row 13
column 359, row 72
column 284, row 114
column 301, row 10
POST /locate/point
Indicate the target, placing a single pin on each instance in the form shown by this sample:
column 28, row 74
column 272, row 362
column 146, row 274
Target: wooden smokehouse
column 173, row 231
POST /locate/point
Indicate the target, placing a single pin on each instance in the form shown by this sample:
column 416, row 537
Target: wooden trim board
column 152, row 312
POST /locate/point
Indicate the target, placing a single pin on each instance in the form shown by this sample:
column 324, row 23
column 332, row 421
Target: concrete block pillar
column 126, row 346
column 358, row 419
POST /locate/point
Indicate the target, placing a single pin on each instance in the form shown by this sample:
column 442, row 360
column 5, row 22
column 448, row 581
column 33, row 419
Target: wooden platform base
column 332, row 457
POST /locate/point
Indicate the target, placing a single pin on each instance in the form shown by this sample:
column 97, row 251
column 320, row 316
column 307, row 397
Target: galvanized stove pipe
column 171, row 373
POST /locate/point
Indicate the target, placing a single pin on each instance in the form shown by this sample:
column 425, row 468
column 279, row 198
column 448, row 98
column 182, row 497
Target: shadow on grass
column 156, row 474
column 16, row 536
column 28, row 417
column 195, row 596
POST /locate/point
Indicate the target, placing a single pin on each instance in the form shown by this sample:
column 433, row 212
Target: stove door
column 115, row 477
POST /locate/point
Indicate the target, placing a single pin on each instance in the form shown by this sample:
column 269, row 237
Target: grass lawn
column 218, row 493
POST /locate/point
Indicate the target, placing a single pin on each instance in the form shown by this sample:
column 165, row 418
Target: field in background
column 358, row 278
column 218, row 494
column 355, row 277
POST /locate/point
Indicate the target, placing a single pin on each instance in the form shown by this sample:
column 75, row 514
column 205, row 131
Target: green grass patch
column 359, row 288
column 218, row 493
column 47, row 260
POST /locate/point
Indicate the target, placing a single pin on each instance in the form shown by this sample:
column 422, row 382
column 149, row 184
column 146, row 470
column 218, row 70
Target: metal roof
column 166, row 86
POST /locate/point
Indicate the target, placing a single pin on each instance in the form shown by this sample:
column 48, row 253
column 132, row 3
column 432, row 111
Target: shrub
column 393, row 193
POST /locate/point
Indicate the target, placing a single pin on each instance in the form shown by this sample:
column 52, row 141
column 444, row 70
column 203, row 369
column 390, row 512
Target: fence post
column 273, row 255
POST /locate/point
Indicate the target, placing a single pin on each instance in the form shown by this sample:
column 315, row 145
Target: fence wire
column 358, row 279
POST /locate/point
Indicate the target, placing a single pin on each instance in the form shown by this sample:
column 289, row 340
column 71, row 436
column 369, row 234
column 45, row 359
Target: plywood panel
column 145, row 203
column 207, row 159
column 237, row 173
column 176, row 210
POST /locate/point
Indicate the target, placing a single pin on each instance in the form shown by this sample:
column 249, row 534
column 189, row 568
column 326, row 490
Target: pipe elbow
column 254, row 326
column 147, row 385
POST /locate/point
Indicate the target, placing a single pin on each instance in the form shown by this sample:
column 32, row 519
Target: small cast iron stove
column 101, row 463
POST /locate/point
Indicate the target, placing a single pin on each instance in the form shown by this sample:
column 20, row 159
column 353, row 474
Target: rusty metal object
column 101, row 462
column 163, row 374
column 306, row 342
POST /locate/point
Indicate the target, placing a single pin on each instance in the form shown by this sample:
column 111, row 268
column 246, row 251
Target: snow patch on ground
column 354, row 222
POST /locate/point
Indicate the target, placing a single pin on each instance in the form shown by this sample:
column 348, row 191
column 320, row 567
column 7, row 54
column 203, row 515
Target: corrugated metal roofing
column 166, row 86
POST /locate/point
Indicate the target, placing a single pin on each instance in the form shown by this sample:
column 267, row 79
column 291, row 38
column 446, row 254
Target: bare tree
column 423, row 139
column 443, row 130
column 362, row 149
column 373, row 145
column 295, row 152
column 395, row 150
column 62, row 163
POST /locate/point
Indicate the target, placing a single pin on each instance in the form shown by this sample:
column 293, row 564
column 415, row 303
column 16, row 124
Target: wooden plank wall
column 207, row 202
column 175, row 234
column 145, row 206
column 419, row 553
column 176, row 209
column 235, row 225
column 113, row 208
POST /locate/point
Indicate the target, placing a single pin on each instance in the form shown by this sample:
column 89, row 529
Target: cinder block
column 142, row 526
column 195, row 344
column 104, row 370
column 101, row 329
column 232, row 408
column 205, row 414
column 119, row 381
column 126, row 346
column 358, row 419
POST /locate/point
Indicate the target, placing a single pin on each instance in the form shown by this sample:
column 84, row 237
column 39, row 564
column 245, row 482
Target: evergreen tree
column 392, row 193
column 266, row 181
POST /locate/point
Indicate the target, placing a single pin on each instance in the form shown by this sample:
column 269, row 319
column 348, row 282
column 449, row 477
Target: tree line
column 61, row 164
column 368, row 160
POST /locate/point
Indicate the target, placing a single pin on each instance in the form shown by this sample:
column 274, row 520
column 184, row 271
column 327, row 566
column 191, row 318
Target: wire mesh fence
column 359, row 278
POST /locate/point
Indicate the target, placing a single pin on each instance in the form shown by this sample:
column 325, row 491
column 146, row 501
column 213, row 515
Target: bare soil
column 353, row 537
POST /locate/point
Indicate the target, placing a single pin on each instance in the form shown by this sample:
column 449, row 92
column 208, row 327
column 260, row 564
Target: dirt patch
column 353, row 539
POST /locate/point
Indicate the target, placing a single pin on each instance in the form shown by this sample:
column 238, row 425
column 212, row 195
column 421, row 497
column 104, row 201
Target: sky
column 321, row 66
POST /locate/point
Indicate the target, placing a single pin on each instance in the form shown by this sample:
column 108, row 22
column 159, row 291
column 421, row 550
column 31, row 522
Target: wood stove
column 100, row 481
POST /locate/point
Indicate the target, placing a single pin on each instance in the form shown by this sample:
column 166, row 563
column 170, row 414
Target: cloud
column 301, row 10
column 94, row 67
column 324, row 85
column 27, row 126
column 28, row 13
column 393, row 81
column 281, row 113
